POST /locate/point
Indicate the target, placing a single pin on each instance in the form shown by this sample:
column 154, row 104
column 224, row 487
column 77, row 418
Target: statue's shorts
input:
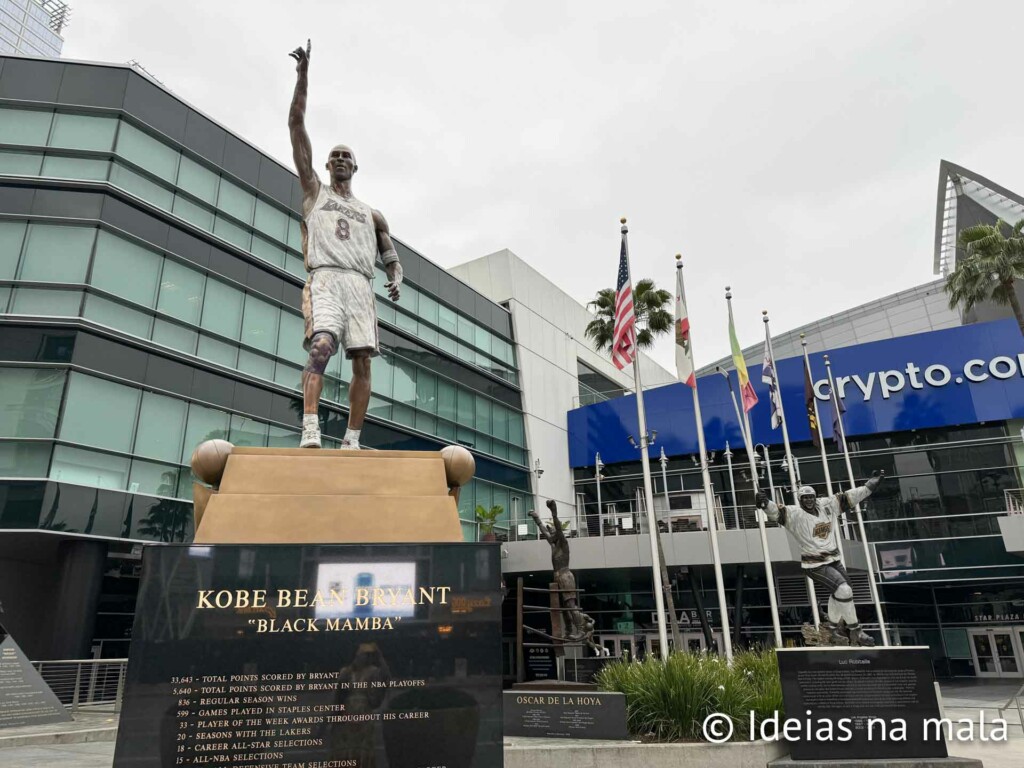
column 341, row 303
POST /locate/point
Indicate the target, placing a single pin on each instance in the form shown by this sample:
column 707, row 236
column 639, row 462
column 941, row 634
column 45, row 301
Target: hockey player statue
column 815, row 526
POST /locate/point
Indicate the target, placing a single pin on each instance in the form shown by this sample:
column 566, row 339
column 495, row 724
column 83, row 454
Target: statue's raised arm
column 302, row 148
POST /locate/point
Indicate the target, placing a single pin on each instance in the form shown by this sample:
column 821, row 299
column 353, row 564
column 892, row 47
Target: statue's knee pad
column 844, row 593
column 321, row 348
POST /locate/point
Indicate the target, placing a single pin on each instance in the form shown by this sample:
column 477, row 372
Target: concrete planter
column 539, row 753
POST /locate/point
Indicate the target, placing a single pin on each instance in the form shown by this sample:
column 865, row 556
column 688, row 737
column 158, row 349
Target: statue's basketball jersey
column 340, row 234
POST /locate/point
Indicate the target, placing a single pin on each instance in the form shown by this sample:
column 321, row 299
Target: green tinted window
column 116, row 315
column 12, row 234
column 147, row 152
column 296, row 266
column 198, row 180
column 174, row 336
column 295, row 234
column 29, row 401
column 271, row 221
column 161, row 427
column 24, row 126
column 83, row 132
column 24, row 459
column 20, row 163
column 426, row 391
column 57, row 254
column 289, row 339
column 125, row 269
column 404, row 390
column 447, row 319
column 203, row 424
column 245, row 431
column 193, row 213
column 99, row 412
column 274, row 254
column 232, row 232
column 99, row 470
column 255, row 364
column 279, row 437
column 428, row 309
column 446, row 399
column 217, row 351
column 383, row 376
column 483, row 415
column 153, row 479
column 515, row 429
column 181, row 292
column 222, row 309
column 259, row 324
column 141, row 187
column 39, row 301
column 236, row 201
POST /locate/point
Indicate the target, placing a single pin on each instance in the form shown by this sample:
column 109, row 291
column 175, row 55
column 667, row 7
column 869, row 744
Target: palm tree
column 990, row 265
column 649, row 305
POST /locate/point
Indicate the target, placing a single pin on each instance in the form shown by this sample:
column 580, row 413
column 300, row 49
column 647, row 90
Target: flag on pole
column 838, row 409
column 684, row 353
column 769, row 377
column 746, row 388
column 624, row 333
column 812, row 417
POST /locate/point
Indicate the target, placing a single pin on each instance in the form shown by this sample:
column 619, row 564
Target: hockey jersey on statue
column 817, row 532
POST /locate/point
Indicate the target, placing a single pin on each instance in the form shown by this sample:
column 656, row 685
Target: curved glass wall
column 84, row 430
column 115, row 282
column 113, row 150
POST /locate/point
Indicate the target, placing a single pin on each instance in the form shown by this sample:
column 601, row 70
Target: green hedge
column 669, row 701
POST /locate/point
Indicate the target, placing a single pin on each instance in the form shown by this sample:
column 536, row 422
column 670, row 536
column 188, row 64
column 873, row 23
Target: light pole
column 598, row 466
column 663, row 460
column 732, row 484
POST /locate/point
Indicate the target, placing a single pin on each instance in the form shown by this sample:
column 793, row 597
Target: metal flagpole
column 769, row 572
column 821, row 446
column 652, row 526
column 709, row 496
column 860, row 518
column 791, row 462
column 732, row 485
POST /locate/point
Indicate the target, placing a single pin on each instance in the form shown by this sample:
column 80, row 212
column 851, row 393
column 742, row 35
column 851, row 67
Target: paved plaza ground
column 961, row 699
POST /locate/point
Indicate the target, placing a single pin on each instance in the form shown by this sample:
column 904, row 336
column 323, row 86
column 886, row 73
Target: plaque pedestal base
column 300, row 495
column 353, row 655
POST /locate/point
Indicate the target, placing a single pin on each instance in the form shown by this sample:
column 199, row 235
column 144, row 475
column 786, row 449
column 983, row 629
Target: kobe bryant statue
column 815, row 526
column 342, row 237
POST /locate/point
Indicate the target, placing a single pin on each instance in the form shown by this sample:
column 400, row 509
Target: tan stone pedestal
column 302, row 496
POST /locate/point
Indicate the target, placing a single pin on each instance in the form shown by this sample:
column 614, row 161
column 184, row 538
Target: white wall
column 548, row 325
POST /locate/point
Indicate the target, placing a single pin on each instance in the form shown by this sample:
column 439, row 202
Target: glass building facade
column 150, row 285
column 32, row 27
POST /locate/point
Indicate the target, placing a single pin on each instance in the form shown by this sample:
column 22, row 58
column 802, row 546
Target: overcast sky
column 788, row 149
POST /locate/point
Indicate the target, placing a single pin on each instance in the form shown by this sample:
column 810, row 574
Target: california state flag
column 684, row 354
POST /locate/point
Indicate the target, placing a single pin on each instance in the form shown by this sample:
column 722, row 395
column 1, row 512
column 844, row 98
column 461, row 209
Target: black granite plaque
column 339, row 656
column 25, row 698
column 540, row 663
column 567, row 715
column 854, row 703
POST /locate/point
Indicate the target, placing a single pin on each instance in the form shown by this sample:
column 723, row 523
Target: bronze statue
column 341, row 239
column 815, row 526
column 579, row 626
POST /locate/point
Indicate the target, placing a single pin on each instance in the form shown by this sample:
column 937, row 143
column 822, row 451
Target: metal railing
column 1014, row 500
column 1015, row 702
column 93, row 683
column 628, row 519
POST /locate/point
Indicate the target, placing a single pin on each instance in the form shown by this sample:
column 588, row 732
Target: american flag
column 624, row 335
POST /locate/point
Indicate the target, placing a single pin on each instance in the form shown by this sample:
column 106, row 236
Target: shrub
column 669, row 701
